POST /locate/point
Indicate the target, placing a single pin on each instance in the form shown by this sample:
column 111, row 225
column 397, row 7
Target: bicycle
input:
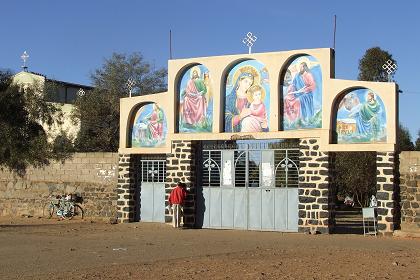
column 65, row 207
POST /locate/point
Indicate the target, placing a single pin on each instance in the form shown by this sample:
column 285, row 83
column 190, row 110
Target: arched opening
column 301, row 93
column 195, row 100
column 247, row 98
column 148, row 126
column 359, row 116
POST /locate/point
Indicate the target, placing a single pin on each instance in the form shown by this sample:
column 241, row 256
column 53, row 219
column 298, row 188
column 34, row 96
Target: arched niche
column 148, row 127
column 301, row 93
column 195, row 100
column 359, row 117
column 247, row 98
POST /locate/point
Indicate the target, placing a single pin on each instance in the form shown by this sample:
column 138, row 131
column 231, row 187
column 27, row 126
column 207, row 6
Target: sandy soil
column 32, row 248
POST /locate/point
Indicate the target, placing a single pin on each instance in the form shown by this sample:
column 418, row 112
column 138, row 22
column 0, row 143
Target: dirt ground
column 32, row 248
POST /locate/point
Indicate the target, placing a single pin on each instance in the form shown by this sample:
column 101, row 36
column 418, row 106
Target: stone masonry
column 126, row 188
column 315, row 195
column 92, row 175
column 180, row 165
column 410, row 191
column 387, row 193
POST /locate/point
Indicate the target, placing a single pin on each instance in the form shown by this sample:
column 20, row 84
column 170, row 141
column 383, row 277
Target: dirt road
column 32, row 248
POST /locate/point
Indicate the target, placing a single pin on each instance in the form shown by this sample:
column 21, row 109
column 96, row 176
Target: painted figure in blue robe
column 236, row 101
column 302, row 88
column 367, row 117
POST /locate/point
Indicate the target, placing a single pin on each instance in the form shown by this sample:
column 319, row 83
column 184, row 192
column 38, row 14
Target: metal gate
column 152, row 193
column 250, row 185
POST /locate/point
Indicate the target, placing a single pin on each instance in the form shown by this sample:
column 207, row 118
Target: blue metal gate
column 152, row 193
column 250, row 185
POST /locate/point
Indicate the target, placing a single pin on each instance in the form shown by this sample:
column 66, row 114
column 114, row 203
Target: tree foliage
column 23, row 111
column 356, row 175
column 418, row 141
column 98, row 110
column 404, row 139
column 370, row 65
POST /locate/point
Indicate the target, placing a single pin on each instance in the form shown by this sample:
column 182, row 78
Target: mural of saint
column 361, row 118
column 195, row 108
column 302, row 93
column 247, row 98
column 149, row 128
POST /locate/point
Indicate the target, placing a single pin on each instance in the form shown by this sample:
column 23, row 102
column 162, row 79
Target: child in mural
column 300, row 95
column 155, row 124
column 194, row 105
column 255, row 119
column 237, row 100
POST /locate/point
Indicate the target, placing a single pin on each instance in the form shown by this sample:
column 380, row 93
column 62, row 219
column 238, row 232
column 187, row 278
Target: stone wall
column 180, row 165
column 316, row 200
column 126, row 188
column 387, row 193
column 93, row 175
column 410, row 191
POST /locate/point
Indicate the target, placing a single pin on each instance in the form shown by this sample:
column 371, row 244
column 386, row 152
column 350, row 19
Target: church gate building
column 252, row 135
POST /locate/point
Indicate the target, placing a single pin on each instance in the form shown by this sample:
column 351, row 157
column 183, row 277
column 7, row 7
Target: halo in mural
column 302, row 94
column 195, row 101
column 247, row 103
column 361, row 118
column 149, row 127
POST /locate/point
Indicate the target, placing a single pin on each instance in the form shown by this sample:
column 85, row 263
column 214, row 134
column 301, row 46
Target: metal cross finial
column 390, row 67
column 130, row 84
column 249, row 40
column 24, row 57
column 80, row 92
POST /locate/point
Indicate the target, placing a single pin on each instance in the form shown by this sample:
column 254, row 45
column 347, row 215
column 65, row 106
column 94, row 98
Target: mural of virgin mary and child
column 247, row 98
column 361, row 118
column 302, row 89
column 195, row 110
column 149, row 129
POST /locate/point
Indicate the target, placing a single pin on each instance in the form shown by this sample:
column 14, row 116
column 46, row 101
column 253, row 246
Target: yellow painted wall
column 276, row 63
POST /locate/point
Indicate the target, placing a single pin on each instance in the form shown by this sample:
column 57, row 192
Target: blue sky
column 67, row 40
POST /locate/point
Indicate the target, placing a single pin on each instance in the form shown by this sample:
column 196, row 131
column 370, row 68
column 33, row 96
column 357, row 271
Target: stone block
column 306, row 199
column 383, row 195
column 315, row 193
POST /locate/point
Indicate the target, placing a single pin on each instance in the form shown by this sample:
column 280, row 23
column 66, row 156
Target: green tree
column 23, row 112
column 370, row 65
column 356, row 175
column 404, row 139
column 418, row 141
column 98, row 110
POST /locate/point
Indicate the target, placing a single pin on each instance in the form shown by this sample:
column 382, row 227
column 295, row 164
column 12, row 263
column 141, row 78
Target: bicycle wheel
column 78, row 212
column 48, row 210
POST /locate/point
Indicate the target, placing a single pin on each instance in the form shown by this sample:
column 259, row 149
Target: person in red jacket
column 176, row 201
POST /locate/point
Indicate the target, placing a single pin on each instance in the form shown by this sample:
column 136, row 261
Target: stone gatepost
column 387, row 193
column 126, row 188
column 180, row 166
column 315, row 194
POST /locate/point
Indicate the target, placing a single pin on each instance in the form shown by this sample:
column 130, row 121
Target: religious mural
column 195, row 101
column 361, row 118
column 149, row 127
column 247, row 103
column 302, row 94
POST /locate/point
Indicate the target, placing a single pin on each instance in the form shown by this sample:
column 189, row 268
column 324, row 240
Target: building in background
column 63, row 94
